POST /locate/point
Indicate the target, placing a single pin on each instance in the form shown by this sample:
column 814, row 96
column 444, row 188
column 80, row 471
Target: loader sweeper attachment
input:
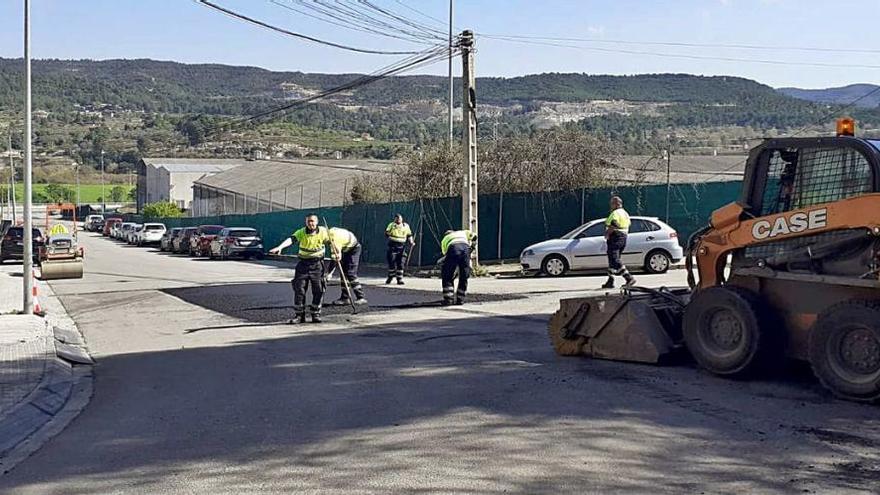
column 60, row 258
column 638, row 324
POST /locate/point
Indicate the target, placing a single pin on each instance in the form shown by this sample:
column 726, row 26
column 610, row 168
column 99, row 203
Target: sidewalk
column 39, row 391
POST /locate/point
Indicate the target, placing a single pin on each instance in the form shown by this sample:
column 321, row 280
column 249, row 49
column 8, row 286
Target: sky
column 623, row 36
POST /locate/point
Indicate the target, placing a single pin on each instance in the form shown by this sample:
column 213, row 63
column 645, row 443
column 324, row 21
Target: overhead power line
column 277, row 29
column 684, row 56
column 421, row 59
column 737, row 46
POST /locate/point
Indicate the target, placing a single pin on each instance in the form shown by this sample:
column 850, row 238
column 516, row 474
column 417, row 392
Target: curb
column 62, row 393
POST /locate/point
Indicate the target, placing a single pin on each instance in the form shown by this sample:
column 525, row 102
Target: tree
column 117, row 194
column 162, row 209
column 57, row 193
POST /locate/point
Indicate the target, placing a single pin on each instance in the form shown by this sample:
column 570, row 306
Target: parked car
column 651, row 245
column 200, row 242
column 109, row 225
column 237, row 241
column 168, row 238
column 12, row 244
column 151, row 234
column 133, row 233
column 123, row 229
column 92, row 223
column 181, row 243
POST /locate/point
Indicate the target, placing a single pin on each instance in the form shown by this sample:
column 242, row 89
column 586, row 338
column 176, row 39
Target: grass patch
column 88, row 193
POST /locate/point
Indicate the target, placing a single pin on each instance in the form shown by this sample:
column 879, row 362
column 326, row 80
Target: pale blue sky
column 184, row 31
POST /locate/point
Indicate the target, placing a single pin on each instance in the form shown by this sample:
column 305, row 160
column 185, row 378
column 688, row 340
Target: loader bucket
column 638, row 324
column 54, row 270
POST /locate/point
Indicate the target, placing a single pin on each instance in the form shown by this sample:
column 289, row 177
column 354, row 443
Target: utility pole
column 103, row 195
column 469, row 206
column 451, row 80
column 28, row 248
column 76, row 165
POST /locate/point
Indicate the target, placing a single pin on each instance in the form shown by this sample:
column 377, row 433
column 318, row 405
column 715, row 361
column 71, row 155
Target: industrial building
column 171, row 179
column 274, row 185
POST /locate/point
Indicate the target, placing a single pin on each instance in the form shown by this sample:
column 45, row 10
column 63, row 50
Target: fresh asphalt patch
column 272, row 302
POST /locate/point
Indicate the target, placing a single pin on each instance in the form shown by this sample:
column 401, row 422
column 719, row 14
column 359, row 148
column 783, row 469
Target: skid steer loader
column 792, row 269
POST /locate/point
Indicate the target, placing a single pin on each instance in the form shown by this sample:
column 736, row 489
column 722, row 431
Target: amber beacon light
column 846, row 126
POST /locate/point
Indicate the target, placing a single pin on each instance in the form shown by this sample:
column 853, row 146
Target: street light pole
column 28, row 248
column 103, row 196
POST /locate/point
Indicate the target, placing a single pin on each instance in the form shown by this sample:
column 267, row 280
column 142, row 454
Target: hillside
column 841, row 96
column 131, row 107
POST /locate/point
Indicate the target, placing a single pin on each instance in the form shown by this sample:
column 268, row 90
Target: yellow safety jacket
column 343, row 239
column 398, row 233
column 618, row 220
column 311, row 245
column 58, row 229
column 457, row 237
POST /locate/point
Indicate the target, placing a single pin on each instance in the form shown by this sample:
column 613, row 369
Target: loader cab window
column 798, row 178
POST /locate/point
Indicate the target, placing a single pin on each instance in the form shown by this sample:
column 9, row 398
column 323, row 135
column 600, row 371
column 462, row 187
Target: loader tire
column 562, row 345
column 728, row 331
column 845, row 350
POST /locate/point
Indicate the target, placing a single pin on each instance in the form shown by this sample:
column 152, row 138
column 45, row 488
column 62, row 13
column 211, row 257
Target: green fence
column 508, row 222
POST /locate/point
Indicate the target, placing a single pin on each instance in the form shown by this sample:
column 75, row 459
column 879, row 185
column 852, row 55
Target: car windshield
column 154, row 227
column 243, row 233
column 211, row 229
column 875, row 143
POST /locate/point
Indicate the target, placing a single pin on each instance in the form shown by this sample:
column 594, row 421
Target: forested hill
column 157, row 86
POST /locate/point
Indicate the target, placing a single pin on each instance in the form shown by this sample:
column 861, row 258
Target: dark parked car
column 12, row 245
column 168, row 238
column 181, row 243
column 237, row 241
column 200, row 243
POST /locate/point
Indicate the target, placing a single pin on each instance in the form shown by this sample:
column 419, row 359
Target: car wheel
column 259, row 256
column 554, row 265
column 657, row 261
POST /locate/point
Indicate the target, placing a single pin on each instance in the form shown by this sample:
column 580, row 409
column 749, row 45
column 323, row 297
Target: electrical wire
column 736, row 46
column 838, row 111
column 421, row 59
column 404, row 20
column 242, row 17
column 685, row 56
column 355, row 13
column 347, row 24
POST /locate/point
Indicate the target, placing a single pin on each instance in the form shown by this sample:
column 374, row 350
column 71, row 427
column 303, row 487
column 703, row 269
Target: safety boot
column 360, row 302
column 630, row 280
column 609, row 284
column 400, row 282
column 388, row 280
column 315, row 319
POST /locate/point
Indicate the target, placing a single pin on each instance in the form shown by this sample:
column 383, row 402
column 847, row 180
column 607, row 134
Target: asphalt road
column 191, row 396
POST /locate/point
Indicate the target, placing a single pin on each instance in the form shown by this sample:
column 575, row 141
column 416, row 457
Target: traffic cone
column 38, row 310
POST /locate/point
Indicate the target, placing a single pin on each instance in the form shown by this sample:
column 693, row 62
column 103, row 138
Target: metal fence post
column 285, row 197
column 583, row 194
column 270, row 200
column 301, row 193
column 320, row 193
column 500, row 221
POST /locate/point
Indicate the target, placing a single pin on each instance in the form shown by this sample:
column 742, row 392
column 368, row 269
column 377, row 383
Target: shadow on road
column 445, row 405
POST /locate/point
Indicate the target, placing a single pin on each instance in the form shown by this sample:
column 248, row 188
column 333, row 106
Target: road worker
column 309, row 269
column 616, row 229
column 58, row 229
column 456, row 246
column 346, row 249
column 399, row 236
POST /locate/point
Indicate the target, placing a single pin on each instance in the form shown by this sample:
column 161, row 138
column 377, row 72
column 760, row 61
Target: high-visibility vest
column 398, row 232
column 343, row 239
column 456, row 237
column 311, row 245
column 618, row 220
column 58, row 229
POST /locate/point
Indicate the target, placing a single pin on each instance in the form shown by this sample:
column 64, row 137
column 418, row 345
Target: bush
column 162, row 209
